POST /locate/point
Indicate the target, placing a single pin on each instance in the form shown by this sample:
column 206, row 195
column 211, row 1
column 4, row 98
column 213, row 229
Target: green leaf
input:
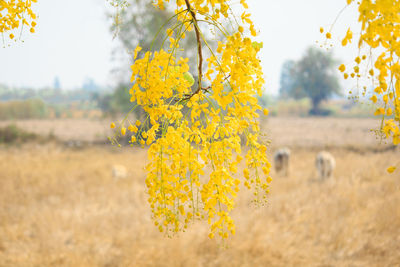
column 189, row 77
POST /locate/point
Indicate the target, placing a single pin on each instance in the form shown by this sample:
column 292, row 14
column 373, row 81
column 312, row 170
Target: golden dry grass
column 62, row 207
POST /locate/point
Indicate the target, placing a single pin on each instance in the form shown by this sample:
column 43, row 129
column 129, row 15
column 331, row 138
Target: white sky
column 72, row 40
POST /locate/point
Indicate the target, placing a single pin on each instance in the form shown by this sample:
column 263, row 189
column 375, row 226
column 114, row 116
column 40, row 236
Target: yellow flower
column 374, row 98
column 328, row 35
column 112, row 125
column 123, row 130
column 189, row 131
column 391, row 169
column 15, row 13
column 347, row 38
column 379, row 111
column 265, row 111
column 342, row 68
column 371, row 72
column 376, row 38
column 170, row 32
column 136, row 51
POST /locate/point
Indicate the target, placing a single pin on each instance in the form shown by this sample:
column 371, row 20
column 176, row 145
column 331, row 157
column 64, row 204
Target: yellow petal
column 391, row 169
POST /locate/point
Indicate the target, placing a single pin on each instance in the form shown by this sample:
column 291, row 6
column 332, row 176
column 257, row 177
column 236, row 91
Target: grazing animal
column 119, row 171
column 325, row 164
column 281, row 159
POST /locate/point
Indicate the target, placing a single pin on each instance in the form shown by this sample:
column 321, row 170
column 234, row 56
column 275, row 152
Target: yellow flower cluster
column 380, row 36
column 15, row 14
column 196, row 130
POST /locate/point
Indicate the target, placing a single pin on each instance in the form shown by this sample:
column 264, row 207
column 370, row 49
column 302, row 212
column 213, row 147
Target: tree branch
column 198, row 38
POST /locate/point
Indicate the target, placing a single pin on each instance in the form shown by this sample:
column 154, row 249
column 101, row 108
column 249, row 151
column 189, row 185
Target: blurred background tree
column 313, row 76
column 286, row 80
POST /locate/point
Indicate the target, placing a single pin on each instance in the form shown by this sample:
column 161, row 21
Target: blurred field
column 62, row 207
column 88, row 130
column 290, row 131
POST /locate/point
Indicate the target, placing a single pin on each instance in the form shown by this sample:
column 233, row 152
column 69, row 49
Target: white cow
column 281, row 159
column 325, row 164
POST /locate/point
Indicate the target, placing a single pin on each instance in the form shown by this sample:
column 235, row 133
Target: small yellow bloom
column 123, row 130
column 391, row 169
column 170, row 32
column 32, row 30
column 374, row 98
column 342, row 68
column 328, row 35
column 137, row 50
column 379, row 111
column 347, row 38
column 321, row 30
column 112, row 125
column 371, row 72
column 266, row 112
column 11, row 36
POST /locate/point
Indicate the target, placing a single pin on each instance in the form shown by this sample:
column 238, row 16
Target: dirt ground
column 61, row 206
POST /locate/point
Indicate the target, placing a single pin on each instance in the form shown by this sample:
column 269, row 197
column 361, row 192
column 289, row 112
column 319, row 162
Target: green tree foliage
column 312, row 76
column 286, row 80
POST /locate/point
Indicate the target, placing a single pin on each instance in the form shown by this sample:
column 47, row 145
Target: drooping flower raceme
column 196, row 129
column 380, row 40
column 376, row 68
column 15, row 14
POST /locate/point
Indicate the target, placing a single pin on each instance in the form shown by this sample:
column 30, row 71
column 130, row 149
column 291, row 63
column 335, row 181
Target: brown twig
column 199, row 52
column 205, row 89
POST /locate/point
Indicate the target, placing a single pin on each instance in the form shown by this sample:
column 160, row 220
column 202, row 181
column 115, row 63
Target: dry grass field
column 62, row 207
